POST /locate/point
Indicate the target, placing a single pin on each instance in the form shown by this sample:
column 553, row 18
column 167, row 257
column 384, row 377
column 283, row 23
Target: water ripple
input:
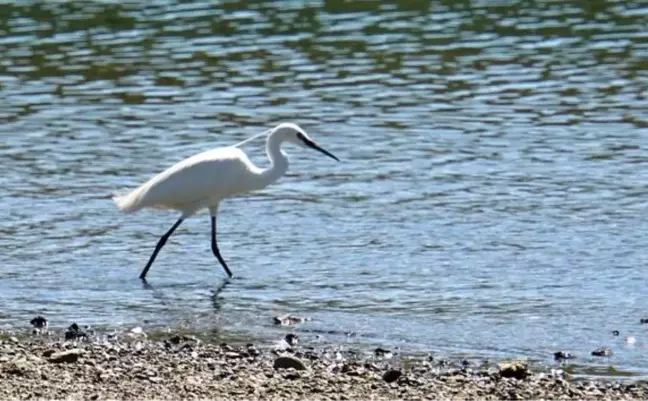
column 493, row 174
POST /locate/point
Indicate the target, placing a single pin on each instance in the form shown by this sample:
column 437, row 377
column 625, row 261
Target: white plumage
column 193, row 183
column 203, row 180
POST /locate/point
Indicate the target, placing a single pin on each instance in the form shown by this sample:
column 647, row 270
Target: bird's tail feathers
column 128, row 202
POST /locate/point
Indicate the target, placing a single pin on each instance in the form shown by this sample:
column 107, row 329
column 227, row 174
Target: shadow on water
column 216, row 299
column 146, row 285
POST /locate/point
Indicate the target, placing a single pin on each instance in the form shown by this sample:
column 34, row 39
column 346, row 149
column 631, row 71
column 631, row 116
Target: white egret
column 205, row 179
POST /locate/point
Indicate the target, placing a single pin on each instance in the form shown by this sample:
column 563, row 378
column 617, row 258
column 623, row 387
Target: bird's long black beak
column 315, row 146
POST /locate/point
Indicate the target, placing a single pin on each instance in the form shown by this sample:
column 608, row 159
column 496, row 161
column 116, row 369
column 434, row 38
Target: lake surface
column 490, row 202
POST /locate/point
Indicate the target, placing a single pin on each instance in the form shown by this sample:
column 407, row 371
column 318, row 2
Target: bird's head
column 292, row 133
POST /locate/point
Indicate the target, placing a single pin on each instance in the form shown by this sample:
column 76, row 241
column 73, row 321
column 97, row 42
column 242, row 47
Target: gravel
column 134, row 366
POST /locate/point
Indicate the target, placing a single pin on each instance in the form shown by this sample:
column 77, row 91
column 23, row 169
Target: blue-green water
column 491, row 200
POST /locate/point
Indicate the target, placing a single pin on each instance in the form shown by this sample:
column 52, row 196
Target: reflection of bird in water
column 216, row 299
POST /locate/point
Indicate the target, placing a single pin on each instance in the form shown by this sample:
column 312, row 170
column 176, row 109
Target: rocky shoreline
column 132, row 365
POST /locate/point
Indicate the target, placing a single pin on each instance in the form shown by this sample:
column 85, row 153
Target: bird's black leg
column 215, row 247
column 159, row 246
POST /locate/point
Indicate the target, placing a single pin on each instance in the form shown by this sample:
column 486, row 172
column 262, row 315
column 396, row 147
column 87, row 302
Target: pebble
column 69, row 356
column 291, row 375
column 226, row 347
column 292, row 339
column 372, row 367
column 74, row 332
column 288, row 319
column 252, row 350
column 383, row 353
column 515, row 369
column 561, row 355
column 137, row 332
column 287, row 362
column 391, row 375
column 177, row 339
column 120, row 369
column 39, row 322
column 287, row 343
column 602, row 352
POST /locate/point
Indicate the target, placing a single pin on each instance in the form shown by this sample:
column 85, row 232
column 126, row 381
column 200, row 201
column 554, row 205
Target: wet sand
column 135, row 366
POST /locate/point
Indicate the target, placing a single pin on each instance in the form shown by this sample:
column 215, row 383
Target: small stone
column 39, row 322
column 286, row 344
column 371, row 367
column 292, row 339
column 602, row 352
column 33, row 358
column 252, row 350
column 312, row 355
column 226, row 347
column 225, row 373
column 286, row 320
column 136, row 331
column 175, row 340
column 193, row 381
column 292, row 375
column 17, row 368
column 515, row 369
column 392, row 375
column 287, row 362
column 643, row 321
column 382, row 353
column 69, row 356
column 410, row 381
column 73, row 332
column 562, row 355
column 13, row 339
column 347, row 367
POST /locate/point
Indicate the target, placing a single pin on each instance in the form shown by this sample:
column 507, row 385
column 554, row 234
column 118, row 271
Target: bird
column 204, row 180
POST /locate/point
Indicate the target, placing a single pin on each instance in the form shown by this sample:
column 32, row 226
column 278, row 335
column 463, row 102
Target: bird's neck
column 278, row 161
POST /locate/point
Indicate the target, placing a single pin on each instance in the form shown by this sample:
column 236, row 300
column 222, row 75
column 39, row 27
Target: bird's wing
column 207, row 175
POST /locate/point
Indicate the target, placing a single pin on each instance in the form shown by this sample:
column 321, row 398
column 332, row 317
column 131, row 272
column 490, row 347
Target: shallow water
column 490, row 202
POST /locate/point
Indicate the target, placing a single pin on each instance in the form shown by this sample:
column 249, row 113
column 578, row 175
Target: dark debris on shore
column 133, row 366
